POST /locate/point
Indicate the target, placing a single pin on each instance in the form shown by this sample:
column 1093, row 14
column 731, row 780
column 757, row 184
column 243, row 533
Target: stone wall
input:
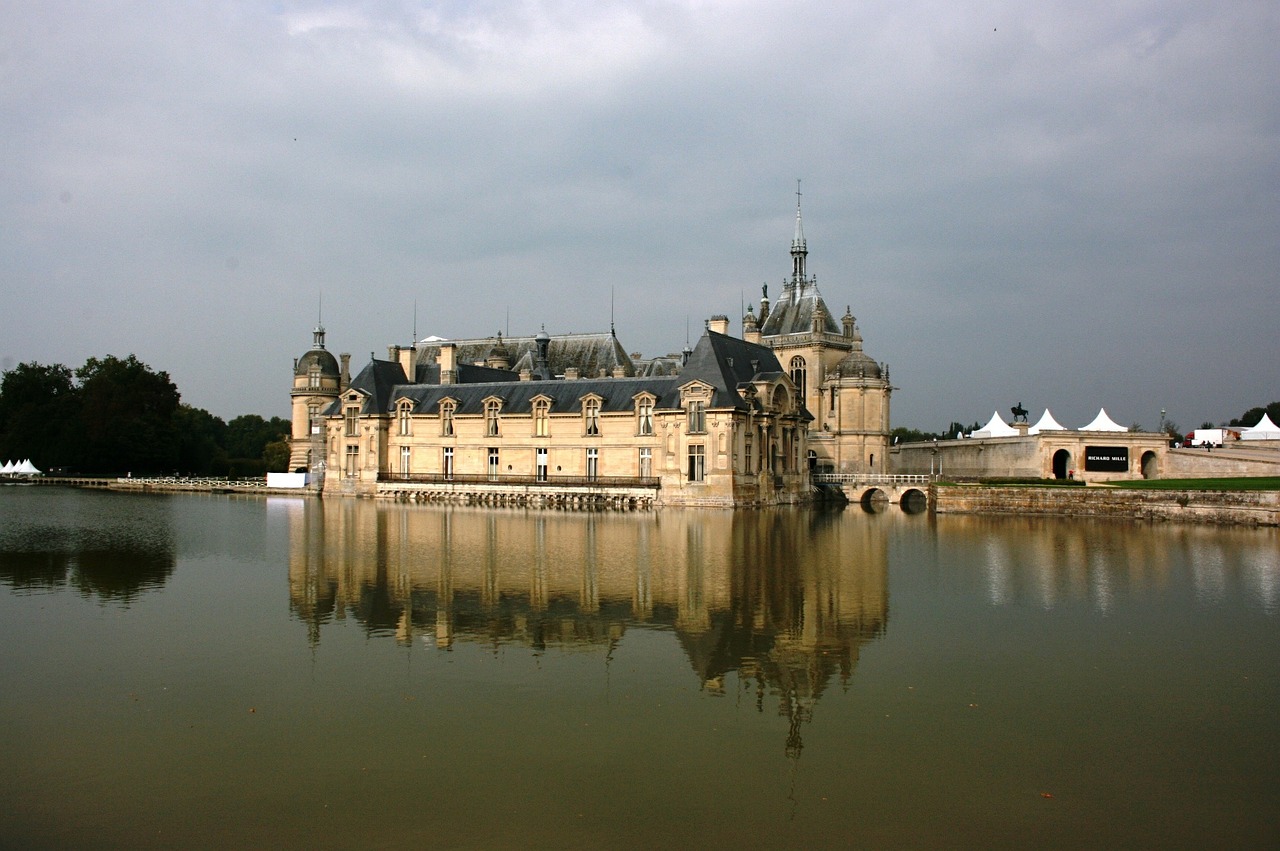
column 1250, row 508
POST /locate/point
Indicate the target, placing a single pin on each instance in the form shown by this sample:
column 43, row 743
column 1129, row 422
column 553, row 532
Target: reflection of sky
column 1056, row 563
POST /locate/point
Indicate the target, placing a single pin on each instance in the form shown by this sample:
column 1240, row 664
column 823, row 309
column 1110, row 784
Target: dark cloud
column 1072, row 206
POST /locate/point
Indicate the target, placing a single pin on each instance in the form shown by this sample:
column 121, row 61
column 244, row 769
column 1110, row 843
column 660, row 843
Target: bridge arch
column 913, row 501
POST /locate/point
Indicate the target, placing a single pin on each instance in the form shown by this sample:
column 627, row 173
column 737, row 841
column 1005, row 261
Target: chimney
column 719, row 323
column 344, row 380
column 406, row 362
column 448, row 363
column 571, row 373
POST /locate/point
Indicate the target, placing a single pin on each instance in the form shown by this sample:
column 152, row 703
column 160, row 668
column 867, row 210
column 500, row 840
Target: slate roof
column 722, row 362
column 793, row 314
column 376, row 381
column 589, row 353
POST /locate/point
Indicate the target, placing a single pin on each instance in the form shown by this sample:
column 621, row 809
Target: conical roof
column 1102, row 422
column 996, row 427
column 1265, row 429
column 1045, row 423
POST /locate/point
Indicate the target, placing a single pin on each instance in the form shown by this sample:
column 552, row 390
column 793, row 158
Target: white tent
column 7, row 468
column 1264, row 430
column 996, row 428
column 1102, row 422
column 26, row 468
column 1045, row 423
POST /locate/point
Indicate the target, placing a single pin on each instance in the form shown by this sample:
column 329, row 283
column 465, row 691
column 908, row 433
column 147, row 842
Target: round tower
column 317, row 383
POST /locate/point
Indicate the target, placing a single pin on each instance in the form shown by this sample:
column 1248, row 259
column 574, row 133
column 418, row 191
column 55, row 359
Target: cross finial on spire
column 797, row 193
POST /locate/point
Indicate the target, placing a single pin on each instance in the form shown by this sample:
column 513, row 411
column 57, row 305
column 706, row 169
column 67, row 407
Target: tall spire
column 799, row 249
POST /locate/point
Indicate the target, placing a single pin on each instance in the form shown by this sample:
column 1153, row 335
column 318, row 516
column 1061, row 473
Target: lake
column 210, row 671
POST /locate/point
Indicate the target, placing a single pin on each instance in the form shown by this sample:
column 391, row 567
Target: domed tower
column 857, row 417
column 317, row 383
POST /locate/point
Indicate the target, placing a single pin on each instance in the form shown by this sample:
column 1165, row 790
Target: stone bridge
column 910, row 492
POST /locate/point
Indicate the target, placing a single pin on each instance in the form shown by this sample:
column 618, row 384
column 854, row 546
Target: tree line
column 117, row 415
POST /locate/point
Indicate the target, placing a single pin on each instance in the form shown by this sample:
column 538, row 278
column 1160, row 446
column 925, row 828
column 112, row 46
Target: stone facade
column 728, row 429
column 1056, row 454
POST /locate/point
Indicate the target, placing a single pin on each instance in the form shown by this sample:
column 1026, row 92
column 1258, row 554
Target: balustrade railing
column 548, row 481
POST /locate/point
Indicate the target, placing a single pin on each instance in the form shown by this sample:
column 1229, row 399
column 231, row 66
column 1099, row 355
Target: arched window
column 404, row 410
column 541, row 418
column 644, row 415
column 798, row 375
column 491, row 409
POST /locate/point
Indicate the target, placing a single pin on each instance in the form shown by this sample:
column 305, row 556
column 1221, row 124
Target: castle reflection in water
column 785, row 599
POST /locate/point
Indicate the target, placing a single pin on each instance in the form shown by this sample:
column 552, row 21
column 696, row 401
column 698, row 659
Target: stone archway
column 874, row 500
column 1061, row 463
column 1149, row 469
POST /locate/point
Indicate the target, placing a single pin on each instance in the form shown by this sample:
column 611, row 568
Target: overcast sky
column 1068, row 204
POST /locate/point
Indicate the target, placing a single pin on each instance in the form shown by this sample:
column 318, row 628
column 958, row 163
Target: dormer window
column 313, row 377
column 446, row 418
column 350, row 419
column 404, row 411
column 541, row 418
column 591, row 417
column 491, row 410
column 644, row 415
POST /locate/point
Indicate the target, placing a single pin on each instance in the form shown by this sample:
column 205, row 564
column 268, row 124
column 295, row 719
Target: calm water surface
column 208, row 671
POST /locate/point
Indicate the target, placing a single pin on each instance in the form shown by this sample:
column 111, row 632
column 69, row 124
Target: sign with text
column 1106, row 459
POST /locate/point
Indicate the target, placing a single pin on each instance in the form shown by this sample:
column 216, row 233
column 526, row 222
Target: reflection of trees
column 111, row 563
column 784, row 599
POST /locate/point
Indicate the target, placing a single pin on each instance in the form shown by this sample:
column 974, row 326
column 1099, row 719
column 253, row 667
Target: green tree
column 276, row 456
column 247, row 439
column 127, row 416
column 201, row 436
column 1253, row 416
column 39, row 408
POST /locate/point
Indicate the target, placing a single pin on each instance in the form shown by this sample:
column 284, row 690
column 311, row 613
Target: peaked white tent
column 1102, row 422
column 996, row 428
column 1264, row 430
column 26, row 468
column 7, row 468
column 1045, row 423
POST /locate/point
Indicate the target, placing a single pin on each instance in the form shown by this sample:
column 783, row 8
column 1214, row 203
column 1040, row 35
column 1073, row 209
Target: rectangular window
column 646, row 462
column 353, row 460
column 747, row 460
column 541, row 468
column 448, row 462
column 593, row 463
column 402, row 418
column 697, row 417
column 697, row 462
column 591, row 413
column 404, row 460
column 493, row 463
column 446, row 420
column 350, row 418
